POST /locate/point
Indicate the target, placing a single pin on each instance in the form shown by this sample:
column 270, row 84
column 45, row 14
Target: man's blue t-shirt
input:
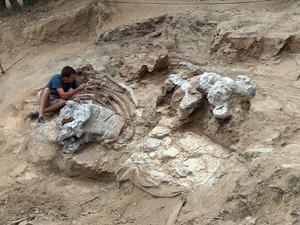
column 57, row 82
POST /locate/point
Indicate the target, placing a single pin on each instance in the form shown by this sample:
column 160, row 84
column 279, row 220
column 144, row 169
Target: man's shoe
column 40, row 120
column 33, row 115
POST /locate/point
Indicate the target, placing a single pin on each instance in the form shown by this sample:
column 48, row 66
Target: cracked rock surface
column 89, row 121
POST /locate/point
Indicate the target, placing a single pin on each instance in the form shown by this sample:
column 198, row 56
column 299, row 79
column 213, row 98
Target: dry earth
column 260, row 181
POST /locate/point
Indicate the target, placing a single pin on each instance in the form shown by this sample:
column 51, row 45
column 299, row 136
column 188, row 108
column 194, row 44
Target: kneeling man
column 59, row 89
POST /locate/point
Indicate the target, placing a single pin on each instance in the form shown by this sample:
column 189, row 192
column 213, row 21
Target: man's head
column 68, row 74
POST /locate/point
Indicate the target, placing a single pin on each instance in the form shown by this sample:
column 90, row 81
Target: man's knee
column 43, row 97
column 62, row 101
column 46, row 92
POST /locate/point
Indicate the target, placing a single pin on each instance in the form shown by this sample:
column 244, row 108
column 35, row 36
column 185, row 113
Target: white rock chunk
column 191, row 96
column 186, row 160
column 168, row 153
column 220, row 90
column 194, row 164
column 83, row 122
column 152, row 144
column 190, row 144
column 159, row 132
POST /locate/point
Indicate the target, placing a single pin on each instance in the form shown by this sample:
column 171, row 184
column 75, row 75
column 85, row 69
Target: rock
column 152, row 144
column 189, row 65
column 189, row 101
column 168, row 153
column 222, row 112
column 219, row 91
column 184, row 99
column 244, row 87
column 177, row 96
column 94, row 161
column 159, row 132
column 178, row 81
column 236, row 40
column 260, row 150
column 153, row 65
column 197, row 163
column 194, row 145
column 165, row 90
column 250, row 220
column 212, row 163
column 255, row 151
column 167, row 141
column 171, row 152
column 194, row 164
column 152, row 154
column 181, row 172
column 188, row 105
column 25, row 222
column 89, row 121
column 89, row 158
column 162, row 63
column 208, row 80
column 41, row 152
column 290, row 166
column 170, row 122
column 48, row 132
column 189, row 144
column 158, row 176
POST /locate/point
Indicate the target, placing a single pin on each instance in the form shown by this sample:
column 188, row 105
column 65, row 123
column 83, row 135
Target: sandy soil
column 261, row 184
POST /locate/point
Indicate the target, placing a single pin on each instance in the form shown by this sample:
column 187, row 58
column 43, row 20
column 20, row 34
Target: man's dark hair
column 67, row 71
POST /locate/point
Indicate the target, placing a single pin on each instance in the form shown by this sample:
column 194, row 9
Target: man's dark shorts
column 52, row 99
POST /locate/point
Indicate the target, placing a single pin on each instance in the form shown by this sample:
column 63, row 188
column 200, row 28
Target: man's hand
column 82, row 87
column 71, row 92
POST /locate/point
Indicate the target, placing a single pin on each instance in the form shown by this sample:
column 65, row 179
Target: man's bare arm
column 71, row 92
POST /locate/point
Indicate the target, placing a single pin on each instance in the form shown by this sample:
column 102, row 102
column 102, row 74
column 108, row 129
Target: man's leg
column 43, row 101
column 55, row 106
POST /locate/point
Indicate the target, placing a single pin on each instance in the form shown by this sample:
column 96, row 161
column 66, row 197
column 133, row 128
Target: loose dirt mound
column 242, row 38
column 54, row 23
